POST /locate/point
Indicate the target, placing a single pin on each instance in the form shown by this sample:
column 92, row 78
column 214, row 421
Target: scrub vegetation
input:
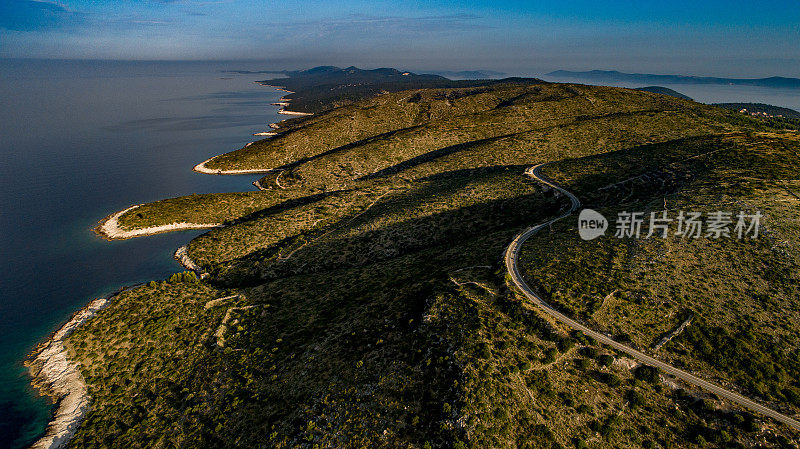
column 361, row 300
column 742, row 293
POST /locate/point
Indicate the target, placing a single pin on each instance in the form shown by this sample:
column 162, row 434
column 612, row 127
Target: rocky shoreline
column 53, row 373
column 201, row 168
column 110, row 230
column 182, row 256
column 56, row 376
column 285, row 112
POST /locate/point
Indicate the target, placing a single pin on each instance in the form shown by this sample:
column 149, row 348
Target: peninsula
column 401, row 278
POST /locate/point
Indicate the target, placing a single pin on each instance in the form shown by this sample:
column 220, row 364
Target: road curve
column 511, row 260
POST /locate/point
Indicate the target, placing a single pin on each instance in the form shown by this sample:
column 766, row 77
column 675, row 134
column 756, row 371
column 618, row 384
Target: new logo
column 591, row 224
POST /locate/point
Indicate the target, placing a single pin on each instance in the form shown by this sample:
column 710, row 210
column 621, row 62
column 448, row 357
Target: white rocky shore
column 285, row 112
column 182, row 256
column 110, row 229
column 56, row 376
column 201, row 168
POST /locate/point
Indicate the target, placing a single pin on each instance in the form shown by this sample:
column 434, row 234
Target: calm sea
column 79, row 140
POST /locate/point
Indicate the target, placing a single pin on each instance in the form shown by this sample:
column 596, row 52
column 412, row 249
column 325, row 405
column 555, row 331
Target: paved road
column 511, row 256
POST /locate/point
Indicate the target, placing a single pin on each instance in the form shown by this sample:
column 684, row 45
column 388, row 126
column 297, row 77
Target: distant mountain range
column 384, row 72
column 325, row 87
column 609, row 76
column 469, row 74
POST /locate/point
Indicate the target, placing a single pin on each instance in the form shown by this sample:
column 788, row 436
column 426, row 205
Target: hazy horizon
column 731, row 39
column 288, row 65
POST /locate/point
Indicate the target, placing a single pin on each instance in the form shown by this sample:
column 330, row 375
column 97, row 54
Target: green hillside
column 361, row 300
column 742, row 293
column 323, row 88
column 663, row 90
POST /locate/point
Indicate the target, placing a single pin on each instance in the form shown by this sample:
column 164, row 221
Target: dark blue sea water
column 79, row 140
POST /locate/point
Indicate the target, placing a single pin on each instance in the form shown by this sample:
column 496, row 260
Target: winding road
column 511, row 260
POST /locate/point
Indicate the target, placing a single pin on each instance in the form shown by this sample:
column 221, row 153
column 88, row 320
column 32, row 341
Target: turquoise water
column 79, row 140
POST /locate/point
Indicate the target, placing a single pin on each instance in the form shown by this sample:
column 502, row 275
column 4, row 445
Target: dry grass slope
column 368, row 306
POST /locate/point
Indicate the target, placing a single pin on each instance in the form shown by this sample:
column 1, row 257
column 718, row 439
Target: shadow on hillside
column 345, row 147
column 290, row 204
column 337, row 250
column 431, row 156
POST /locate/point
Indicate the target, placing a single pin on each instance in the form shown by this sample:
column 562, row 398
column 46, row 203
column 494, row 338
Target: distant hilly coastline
column 322, row 88
column 761, row 110
column 469, row 74
column 609, row 76
column 664, row 91
column 450, row 74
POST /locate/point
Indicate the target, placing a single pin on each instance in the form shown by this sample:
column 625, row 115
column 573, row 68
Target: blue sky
column 726, row 38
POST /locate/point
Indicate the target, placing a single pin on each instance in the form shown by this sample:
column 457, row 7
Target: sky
column 700, row 37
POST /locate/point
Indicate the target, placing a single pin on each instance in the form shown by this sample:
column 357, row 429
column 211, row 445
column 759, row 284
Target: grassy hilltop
column 361, row 300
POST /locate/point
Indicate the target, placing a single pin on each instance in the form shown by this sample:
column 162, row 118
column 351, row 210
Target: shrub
column 792, row 395
column 565, row 344
column 646, row 373
column 724, row 437
column 706, row 406
column 542, row 431
column 581, row 337
column 611, row 379
column 700, row 441
column 605, row 359
column 539, row 380
column 550, row 355
column 635, row 398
